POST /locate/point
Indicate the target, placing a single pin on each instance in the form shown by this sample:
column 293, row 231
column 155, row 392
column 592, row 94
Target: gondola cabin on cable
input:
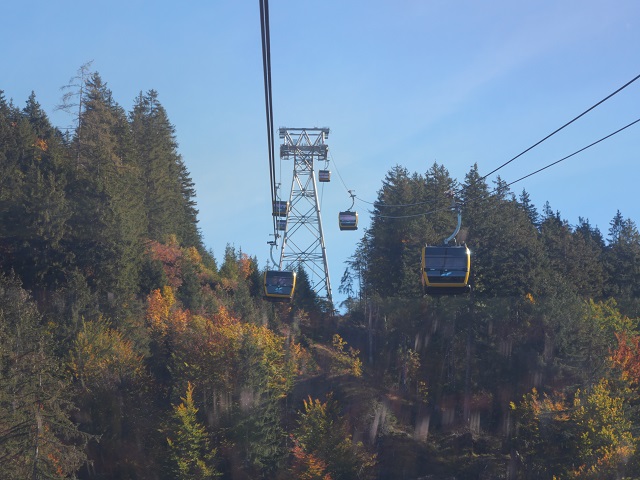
column 348, row 220
column 324, row 175
column 280, row 208
column 279, row 286
column 445, row 269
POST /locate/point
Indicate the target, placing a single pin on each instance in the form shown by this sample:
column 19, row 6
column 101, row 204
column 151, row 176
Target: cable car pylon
column 303, row 238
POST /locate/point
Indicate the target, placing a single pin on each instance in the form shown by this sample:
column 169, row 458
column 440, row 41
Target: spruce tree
column 108, row 222
column 622, row 259
column 168, row 191
column 37, row 437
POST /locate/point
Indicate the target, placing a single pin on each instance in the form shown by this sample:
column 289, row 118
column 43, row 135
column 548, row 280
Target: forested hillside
column 128, row 352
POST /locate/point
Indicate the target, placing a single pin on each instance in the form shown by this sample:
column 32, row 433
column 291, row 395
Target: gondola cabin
column 348, row 220
column 280, row 208
column 445, row 269
column 279, row 285
column 281, row 224
column 324, row 175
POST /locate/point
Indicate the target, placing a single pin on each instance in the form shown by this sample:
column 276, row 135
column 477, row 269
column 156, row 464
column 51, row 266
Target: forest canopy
column 128, row 351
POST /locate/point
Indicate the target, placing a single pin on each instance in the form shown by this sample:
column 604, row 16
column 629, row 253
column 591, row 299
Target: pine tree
column 108, row 218
column 168, row 189
column 37, row 437
column 191, row 457
column 324, row 434
column 33, row 209
column 529, row 208
column 622, row 260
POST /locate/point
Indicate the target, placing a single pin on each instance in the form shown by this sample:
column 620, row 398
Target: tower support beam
column 303, row 240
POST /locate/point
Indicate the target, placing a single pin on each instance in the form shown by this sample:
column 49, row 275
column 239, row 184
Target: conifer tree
column 34, row 210
column 168, row 189
column 323, row 434
column 37, row 437
column 191, row 457
column 623, row 264
column 108, row 221
column 529, row 208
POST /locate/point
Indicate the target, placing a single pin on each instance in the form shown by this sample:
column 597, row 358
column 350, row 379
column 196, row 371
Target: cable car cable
column 277, row 285
column 562, row 127
column 524, row 177
column 266, row 69
column 340, row 176
column 575, row 153
column 528, row 149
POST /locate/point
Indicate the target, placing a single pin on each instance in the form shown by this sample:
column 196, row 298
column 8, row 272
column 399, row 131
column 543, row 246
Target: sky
column 398, row 82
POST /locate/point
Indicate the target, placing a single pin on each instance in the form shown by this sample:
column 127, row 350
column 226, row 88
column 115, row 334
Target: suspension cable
column 268, row 100
column 521, row 178
column 563, row 126
column 531, row 147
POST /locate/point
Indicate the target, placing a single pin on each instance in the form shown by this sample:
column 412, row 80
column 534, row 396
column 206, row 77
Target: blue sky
column 404, row 82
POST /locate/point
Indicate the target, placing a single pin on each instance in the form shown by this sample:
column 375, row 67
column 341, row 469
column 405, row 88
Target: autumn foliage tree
column 324, row 448
column 191, row 456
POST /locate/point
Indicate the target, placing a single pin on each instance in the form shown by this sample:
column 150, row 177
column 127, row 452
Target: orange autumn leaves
column 210, row 350
column 163, row 314
column 102, row 358
column 175, row 259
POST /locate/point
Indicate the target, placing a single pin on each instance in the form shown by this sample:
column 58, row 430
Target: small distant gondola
column 279, row 286
column 445, row 269
column 348, row 220
column 280, row 208
column 324, row 175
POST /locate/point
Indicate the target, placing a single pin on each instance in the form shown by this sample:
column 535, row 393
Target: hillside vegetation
column 128, row 352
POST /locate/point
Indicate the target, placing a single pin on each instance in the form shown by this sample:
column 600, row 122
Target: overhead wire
column 338, row 172
column 526, row 150
column 576, row 152
column 266, row 59
column 521, row 178
column 350, row 192
column 268, row 97
column 562, row 127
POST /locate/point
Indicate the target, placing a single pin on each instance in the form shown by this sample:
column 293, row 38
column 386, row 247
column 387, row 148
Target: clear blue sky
column 404, row 82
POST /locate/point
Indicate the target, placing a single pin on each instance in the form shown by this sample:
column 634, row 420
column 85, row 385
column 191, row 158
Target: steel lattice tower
column 303, row 240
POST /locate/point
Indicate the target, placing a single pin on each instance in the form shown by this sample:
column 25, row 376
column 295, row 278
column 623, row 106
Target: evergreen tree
column 37, row 437
column 191, row 457
column 623, row 264
column 168, row 191
column 324, row 434
column 407, row 214
column 305, row 298
column 33, row 208
column 529, row 208
column 107, row 222
column 507, row 257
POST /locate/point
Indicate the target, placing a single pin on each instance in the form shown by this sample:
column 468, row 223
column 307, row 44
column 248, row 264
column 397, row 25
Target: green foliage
column 323, row 434
column 392, row 248
column 589, row 438
column 343, row 360
column 167, row 190
column 100, row 227
column 190, row 457
column 305, row 298
column 37, row 437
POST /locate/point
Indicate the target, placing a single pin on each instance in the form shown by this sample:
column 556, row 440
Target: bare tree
column 72, row 100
